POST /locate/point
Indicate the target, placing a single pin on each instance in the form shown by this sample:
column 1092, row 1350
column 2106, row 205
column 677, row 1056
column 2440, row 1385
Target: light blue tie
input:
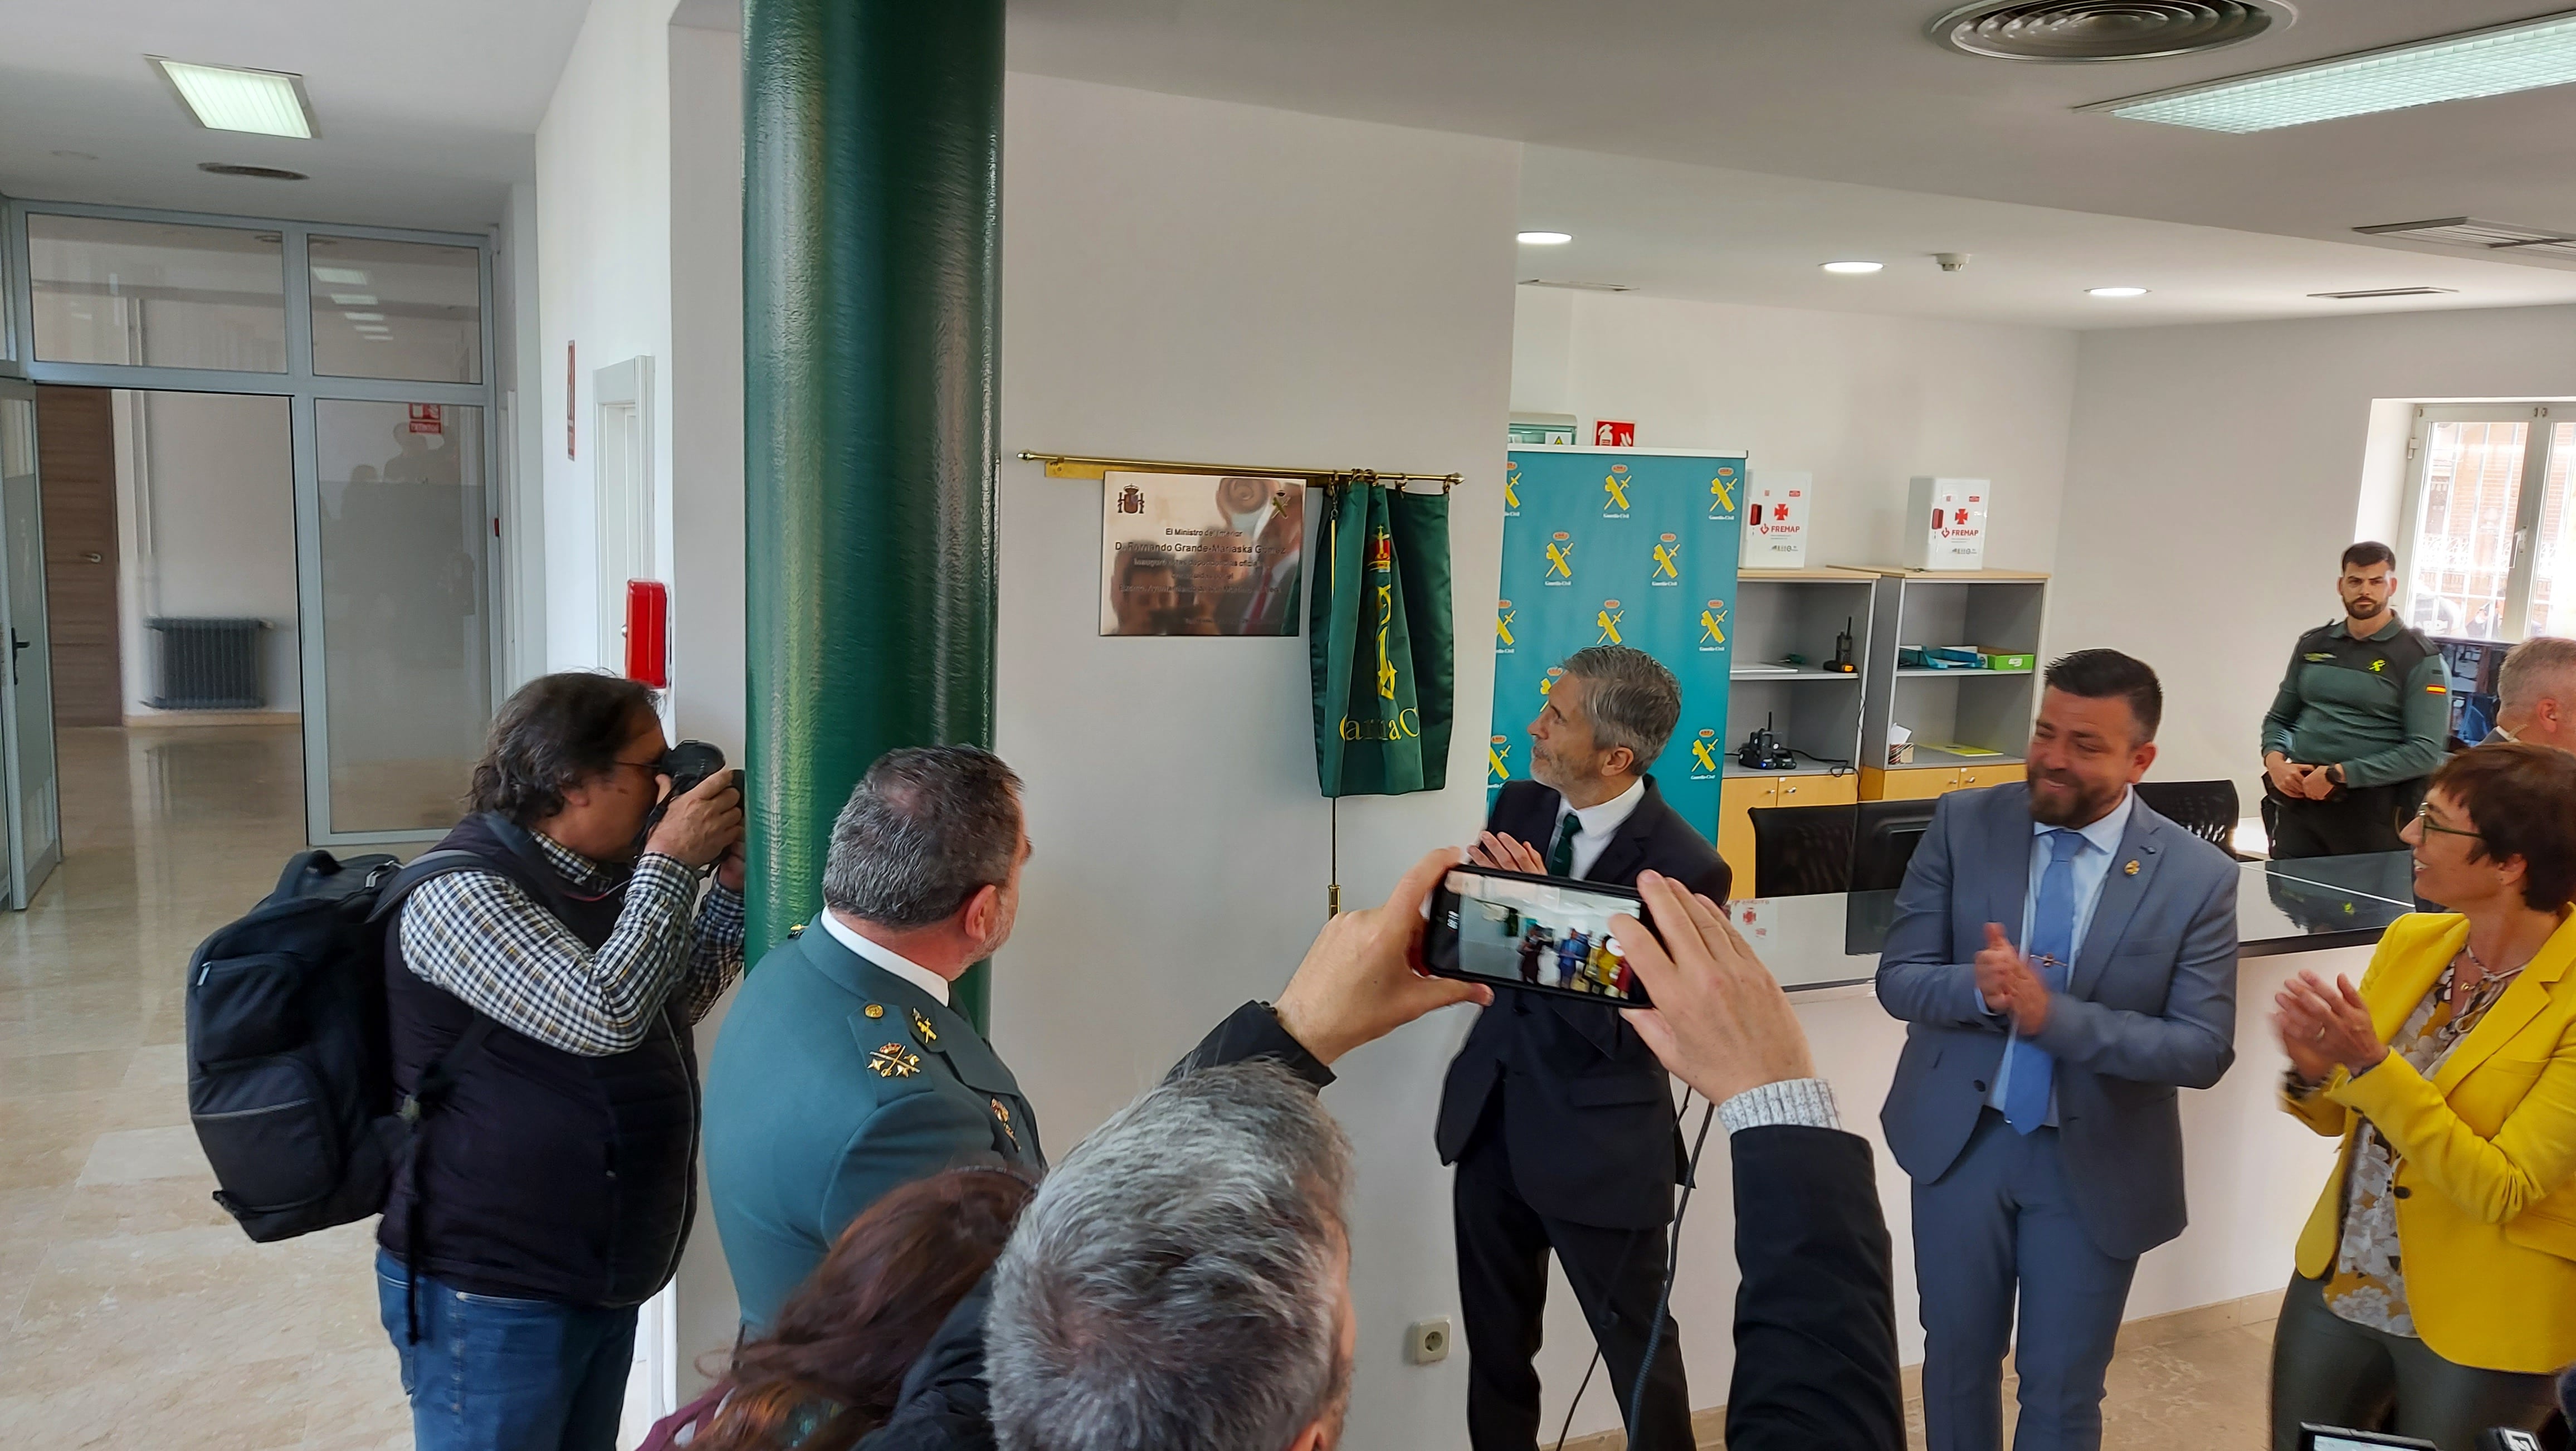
column 2051, row 950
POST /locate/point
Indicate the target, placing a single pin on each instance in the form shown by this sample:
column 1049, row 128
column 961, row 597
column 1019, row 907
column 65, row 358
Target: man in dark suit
column 2064, row 959
column 1559, row 1120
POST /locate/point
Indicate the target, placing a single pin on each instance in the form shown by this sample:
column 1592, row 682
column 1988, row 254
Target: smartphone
column 1536, row 934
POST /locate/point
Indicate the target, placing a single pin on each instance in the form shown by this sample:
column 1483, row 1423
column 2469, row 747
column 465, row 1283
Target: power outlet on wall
column 1426, row 1341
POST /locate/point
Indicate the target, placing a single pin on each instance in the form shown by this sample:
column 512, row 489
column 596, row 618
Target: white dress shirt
column 1597, row 824
column 887, row 958
column 2092, row 867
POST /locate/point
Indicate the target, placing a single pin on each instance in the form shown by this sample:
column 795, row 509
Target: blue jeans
column 490, row 1374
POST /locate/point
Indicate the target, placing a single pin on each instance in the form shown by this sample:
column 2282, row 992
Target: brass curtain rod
column 1086, row 466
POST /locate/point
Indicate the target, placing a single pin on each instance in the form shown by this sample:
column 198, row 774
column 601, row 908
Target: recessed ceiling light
column 1545, row 239
column 340, row 276
column 1853, row 267
column 353, row 299
column 231, row 98
column 364, row 316
column 2115, row 291
column 2495, row 61
column 75, row 156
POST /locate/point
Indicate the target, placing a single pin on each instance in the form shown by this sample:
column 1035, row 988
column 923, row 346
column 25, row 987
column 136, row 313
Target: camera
column 688, row 764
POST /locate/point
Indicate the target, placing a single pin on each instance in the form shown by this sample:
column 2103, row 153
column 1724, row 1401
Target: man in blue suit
column 2065, row 958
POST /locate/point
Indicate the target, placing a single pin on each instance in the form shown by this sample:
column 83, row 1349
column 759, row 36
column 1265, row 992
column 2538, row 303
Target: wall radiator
column 208, row 665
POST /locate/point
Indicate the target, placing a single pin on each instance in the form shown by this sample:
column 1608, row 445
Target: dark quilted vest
column 545, row 1175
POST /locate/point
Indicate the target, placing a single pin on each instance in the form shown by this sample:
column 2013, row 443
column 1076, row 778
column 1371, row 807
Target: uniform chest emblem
column 894, row 1061
column 1002, row 1116
column 876, row 1010
column 2131, row 868
column 923, row 1030
column 2378, row 667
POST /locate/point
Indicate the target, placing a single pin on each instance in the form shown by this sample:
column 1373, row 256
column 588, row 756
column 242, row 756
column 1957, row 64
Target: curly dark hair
column 845, row 1339
column 553, row 733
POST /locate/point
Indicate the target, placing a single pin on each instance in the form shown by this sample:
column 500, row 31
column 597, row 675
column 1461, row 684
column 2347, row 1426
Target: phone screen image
column 1536, row 933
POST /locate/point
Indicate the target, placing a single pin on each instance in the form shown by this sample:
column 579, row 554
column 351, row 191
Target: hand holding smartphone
column 1533, row 933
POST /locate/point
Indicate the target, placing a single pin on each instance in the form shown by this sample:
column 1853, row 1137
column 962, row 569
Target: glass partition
column 156, row 294
column 409, row 310
column 405, row 638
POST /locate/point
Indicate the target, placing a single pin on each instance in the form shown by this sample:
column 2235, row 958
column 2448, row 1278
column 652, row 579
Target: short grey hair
column 2541, row 665
column 924, row 830
column 1177, row 1282
column 1634, row 701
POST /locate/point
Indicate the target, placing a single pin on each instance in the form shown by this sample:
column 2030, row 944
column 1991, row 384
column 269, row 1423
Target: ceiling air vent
column 2083, row 30
column 1577, row 286
column 2358, row 294
column 266, row 173
column 2477, row 236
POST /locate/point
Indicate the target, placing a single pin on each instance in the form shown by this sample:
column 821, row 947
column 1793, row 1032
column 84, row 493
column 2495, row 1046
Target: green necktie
column 1560, row 857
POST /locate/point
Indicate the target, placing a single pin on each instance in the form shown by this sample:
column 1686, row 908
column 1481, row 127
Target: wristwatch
column 2334, row 773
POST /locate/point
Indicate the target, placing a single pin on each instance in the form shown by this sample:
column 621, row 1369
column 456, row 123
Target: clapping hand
column 2324, row 1027
column 2010, row 984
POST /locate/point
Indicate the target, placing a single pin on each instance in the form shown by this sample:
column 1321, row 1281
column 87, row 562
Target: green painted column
column 871, row 283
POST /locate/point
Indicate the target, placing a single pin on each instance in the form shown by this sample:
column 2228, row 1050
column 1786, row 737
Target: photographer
column 540, row 1006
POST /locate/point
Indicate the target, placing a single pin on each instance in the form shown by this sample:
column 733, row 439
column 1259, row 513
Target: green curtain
column 1381, row 640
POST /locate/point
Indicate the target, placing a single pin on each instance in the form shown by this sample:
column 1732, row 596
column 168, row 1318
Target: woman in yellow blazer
column 2436, row 1285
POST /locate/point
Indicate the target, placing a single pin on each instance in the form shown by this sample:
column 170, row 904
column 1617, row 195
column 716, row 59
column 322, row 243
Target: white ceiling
column 1737, row 236
column 426, row 112
column 1700, row 148
column 1852, row 92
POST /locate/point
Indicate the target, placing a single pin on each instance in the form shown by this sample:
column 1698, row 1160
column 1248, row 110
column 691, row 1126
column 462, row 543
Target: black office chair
column 1801, row 851
column 2206, row 809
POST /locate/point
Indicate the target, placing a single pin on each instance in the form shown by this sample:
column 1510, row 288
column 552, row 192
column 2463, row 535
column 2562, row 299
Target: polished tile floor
column 132, row 1312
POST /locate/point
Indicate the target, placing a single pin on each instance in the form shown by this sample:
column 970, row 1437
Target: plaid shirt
column 476, row 935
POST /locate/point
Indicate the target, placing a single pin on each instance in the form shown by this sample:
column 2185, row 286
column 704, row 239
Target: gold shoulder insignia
column 876, row 1010
column 1002, row 1115
column 894, row 1061
column 923, row 1030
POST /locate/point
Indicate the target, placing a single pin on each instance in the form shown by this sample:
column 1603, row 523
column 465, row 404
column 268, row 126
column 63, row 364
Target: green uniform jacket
column 2380, row 708
column 832, row 1082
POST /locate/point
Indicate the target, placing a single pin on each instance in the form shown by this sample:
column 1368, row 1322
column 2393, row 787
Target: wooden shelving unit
column 1994, row 609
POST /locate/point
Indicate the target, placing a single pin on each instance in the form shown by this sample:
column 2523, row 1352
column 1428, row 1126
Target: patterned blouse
column 2368, row 1283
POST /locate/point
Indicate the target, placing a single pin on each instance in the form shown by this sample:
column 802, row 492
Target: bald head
column 2536, row 692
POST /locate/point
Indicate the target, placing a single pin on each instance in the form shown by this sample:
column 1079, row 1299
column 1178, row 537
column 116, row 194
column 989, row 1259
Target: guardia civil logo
column 1722, row 490
column 1712, row 627
column 1560, row 560
column 1512, row 489
column 1664, row 562
column 1615, row 486
column 1704, row 756
column 1608, row 618
column 1547, row 682
column 1504, row 614
column 1498, row 760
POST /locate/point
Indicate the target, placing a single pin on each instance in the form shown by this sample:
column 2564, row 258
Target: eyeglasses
column 2424, row 819
column 652, row 767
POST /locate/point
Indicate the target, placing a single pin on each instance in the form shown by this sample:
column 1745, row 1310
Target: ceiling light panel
column 2115, row 291
column 2491, row 62
column 1853, row 268
column 1545, row 239
column 229, row 98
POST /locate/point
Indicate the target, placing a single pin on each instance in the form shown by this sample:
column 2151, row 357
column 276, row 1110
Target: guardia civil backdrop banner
column 1620, row 546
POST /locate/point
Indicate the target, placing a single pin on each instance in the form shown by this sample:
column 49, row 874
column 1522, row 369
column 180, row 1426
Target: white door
column 32, row 840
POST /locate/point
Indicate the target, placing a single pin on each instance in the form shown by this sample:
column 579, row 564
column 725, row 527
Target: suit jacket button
column 1981, row 1085
column 2402, row 1192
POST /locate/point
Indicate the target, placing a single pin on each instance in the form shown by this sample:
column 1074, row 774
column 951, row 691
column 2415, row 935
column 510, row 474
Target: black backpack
column 290, row 1076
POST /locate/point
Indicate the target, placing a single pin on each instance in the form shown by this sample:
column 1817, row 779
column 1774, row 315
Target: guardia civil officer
column 843, row 1070
column 2362, row 717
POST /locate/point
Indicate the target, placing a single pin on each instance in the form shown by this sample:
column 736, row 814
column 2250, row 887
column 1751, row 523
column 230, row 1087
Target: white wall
column 2216, row 473
column 1864, row 403
column 205, row 528
column 1189, row 279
